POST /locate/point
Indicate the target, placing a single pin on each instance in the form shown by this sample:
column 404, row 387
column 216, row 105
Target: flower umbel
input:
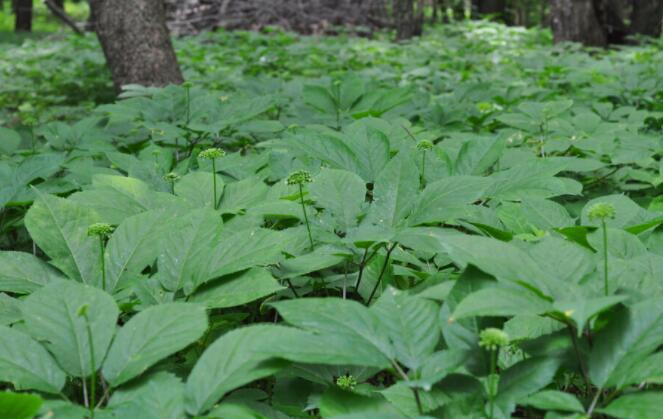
column 211, row 153
column 424, row 145
column 171, row 177
column 493, row 339
column 601, row 211
column 100, row 229
column 299, row 177
column 346, row 382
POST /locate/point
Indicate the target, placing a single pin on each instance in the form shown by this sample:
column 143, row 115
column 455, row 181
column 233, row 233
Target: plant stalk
column 308, row 227
column 102, row 262
column 382, row 271
column 605, row 256
column 93, row 376
column 214, row 182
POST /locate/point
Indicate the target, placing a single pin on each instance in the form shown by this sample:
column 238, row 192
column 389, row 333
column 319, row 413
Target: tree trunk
column 576, row 21
column 647, row 17
column 419, row 18
column 404, row 16
column 59, row 4
column 23, row 14
column 136, row 42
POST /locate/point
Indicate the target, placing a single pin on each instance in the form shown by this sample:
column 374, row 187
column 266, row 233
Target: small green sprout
column 346, row 382
column 171, row 178
column 82, row 310
column 299, row 177
column 492, row 339
column 213, row 154
column 424, row 146
column 102, row 230
column 601, row 211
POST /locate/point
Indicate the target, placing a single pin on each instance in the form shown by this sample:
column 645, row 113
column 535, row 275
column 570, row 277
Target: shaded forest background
column 135, row 34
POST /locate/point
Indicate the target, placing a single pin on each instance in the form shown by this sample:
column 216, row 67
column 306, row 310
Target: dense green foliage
column 463, row 226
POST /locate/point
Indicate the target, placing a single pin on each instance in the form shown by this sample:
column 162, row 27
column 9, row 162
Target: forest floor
column 463, row 225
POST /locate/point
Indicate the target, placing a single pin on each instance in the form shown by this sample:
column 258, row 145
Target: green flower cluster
column 601, row 211
column 100, row 229
column 493, row 339
column 299, row 177
column 346, row 382
column 424, row 145
column 211, row 153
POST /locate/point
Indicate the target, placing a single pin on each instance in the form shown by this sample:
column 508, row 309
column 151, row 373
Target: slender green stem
column 382, row 271
column 292, row 288
column 423, row 168
column 605, row 256
column 308, row 227
column 590, row 411
column 362, row 264
column 93, row 376
column 214, row 182
column 102, row 262
column 491, row 396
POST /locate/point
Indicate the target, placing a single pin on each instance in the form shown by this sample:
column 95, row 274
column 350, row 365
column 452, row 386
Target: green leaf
column 554, row 400
column 336, row 403
column 242, row 195
column 319, row 98
column 340, row 192
column 447, row 199
column 437, row 366
column 499, row 301
column 411, row 324
column 26, row 364
column 185, row 250
column 240, row 251
column 19, row 406
column 631, row 335
column 10, row 310
column 582, row 309
column 23, row 273
column 51, row 315
column 157, row 396
column 198, row 189
column 647, row 404
column 133, row 247
column 9, row 140
column 503, row 260
column 347, row 320
column 150, row 336
column 238, row 289
column 522, row 379
column 59, row 228
column 395, row 191
column 230, row 362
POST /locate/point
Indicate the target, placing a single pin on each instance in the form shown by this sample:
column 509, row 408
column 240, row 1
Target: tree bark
column 576, row 21
column 404, row 16
column 136, row 42
column 23, row 15
column 647, row 17
column 59, row 4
